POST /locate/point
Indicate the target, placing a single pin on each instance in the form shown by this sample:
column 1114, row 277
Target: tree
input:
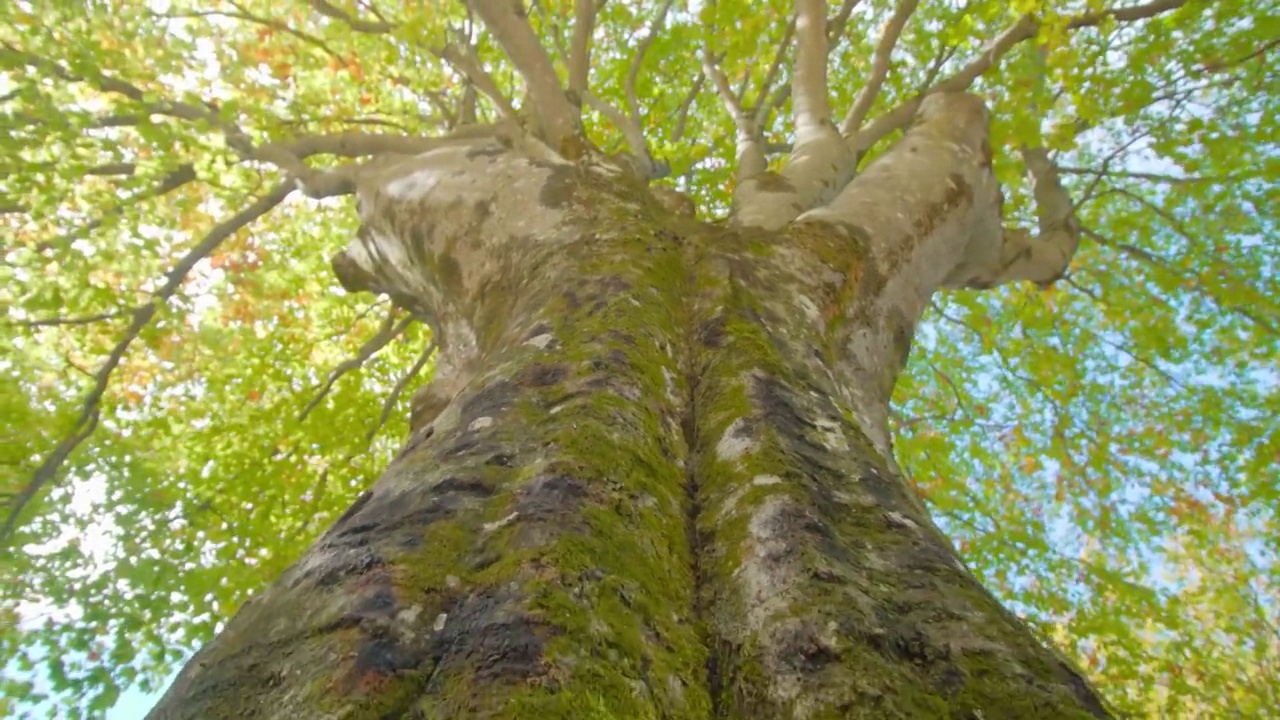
column 665, row 264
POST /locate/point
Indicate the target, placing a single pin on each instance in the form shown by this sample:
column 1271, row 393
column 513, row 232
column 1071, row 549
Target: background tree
column 192, row 397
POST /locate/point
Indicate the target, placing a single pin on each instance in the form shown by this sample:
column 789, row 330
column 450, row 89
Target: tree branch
column 637, row 61
column 58, row 321
column 464, row 61
column 630, row 128
column 879, row 67
column 1024, row 29
column 809, row 76
column 243, row 14
column 142, row 316
column 763, row 105
column 1152, row 260
column 835, row 28
column 682, row 113
column 389, row 331
column 557, row 117
column 396, row 391
column 820, row 163
column 1042, row 258
column 750, row 151
column 183, row 175
column 584, row 24
column 335, row 13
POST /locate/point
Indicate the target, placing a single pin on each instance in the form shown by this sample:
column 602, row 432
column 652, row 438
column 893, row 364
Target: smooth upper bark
column 652, row 478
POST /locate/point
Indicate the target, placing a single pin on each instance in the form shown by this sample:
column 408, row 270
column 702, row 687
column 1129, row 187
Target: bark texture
column 653, row 476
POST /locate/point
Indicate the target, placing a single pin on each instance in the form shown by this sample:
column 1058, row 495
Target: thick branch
column 584, row 23
column 142, row 316
column 465, row 62
column 819, row 164
column 557, row 117
column 750, row 148
column 879, row 67
column 809, row 77
column 1042, row 258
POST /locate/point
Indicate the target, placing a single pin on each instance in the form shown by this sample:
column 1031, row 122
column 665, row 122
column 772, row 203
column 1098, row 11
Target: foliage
column 1104, row 451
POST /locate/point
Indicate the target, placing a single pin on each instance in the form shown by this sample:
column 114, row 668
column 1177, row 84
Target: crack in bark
column 698, row 542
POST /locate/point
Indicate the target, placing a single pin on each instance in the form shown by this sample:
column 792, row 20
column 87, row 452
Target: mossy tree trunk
column 652, row 478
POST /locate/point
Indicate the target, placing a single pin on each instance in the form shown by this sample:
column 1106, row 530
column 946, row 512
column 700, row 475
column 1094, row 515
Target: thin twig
column 389, row 331
column 388, row 405
column 142, row 316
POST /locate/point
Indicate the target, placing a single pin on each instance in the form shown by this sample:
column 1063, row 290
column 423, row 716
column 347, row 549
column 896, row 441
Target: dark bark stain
column 712, row 333
column 490, row 401
column 491, row 636
column 558, row 189
column 542, row 375
column 780, row 411
column 541, row 328
column 549, row 496
column 488, row 151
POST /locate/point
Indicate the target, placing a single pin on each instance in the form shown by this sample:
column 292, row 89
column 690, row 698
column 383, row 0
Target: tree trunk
column 652, row 478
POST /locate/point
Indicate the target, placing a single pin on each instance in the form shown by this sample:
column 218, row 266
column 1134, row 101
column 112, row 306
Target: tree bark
column 652, row 478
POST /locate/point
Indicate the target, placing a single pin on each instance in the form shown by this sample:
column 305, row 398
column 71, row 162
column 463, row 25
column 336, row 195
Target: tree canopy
column 190, row 396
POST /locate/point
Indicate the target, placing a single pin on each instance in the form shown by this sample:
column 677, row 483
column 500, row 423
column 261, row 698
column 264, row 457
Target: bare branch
column 142, row 316
column 584, row 24
column 393, row 397
column 1150, row 177
column 183, row 175
column 820, row 163
column 243, row 14
column 835, row 28
column 763, row 106
column 1125, row 14
column 557, row 117
column 1018, row 255
column 637, row 61
column 336, row 13
column 809, row 76
column 58, row 321
column 1024, row 29
column 750, row 151
column 1155, row 261
column 630, row 128
column 682, row 113
column 358, row 144
column 236, row 138
column 389, row 331
column 879, row 67
column 464, row 61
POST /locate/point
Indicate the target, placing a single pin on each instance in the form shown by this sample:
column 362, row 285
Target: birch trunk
column 653, row 477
